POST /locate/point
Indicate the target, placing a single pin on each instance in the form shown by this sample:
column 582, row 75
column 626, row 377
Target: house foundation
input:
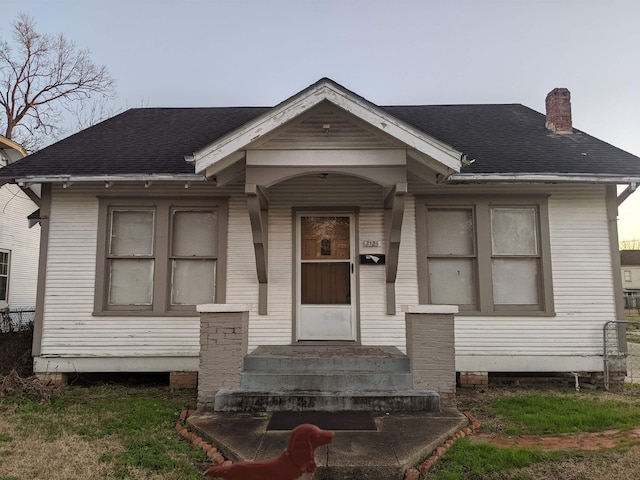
column 473, row 379
column 183, row 380
column 57, row 379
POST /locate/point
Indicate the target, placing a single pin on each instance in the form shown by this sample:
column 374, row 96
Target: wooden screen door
column 325, row 277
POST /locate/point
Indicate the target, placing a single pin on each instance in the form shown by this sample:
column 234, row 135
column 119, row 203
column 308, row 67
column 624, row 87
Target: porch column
column 224, row 335
column 393, row 215
column 258, row 206
column 431, row 347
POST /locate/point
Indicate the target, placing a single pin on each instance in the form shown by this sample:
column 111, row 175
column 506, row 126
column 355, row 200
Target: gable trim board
column 216, row 156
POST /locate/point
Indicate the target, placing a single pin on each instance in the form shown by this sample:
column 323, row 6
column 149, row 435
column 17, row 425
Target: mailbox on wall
column 372, row 259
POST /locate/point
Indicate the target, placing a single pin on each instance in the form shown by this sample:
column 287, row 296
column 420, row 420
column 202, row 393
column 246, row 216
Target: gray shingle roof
column 629, row 257
column 506, row 138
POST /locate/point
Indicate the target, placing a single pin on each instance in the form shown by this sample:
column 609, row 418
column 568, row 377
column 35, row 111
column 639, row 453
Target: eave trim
column 542, row 177
column 185, row 177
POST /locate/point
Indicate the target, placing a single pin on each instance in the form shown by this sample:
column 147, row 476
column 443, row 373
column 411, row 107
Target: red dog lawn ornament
column 297, row 462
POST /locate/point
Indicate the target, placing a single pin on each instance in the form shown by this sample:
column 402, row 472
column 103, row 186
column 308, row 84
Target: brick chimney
column 558, row 105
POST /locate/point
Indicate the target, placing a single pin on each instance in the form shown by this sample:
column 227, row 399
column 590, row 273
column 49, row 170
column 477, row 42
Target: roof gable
column 222, row 153
column 325, row 126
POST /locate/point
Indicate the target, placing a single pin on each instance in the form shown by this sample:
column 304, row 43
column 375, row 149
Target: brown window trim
column 481, row 205
column 162, row 283
column 5, row 301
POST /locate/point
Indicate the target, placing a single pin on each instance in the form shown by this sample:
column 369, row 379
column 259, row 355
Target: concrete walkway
column 401, row 440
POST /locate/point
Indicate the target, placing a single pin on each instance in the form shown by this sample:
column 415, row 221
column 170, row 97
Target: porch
column 322, row 376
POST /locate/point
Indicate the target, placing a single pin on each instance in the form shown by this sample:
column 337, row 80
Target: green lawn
column 127, row 432
column 544, row 412
column 98, row 432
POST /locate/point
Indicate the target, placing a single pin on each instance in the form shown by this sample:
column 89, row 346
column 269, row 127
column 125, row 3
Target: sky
column 182, row 53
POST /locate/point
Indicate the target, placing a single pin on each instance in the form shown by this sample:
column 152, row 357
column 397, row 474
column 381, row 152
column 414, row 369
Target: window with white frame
column 5, row 258
column 160, row 256
column 486, row 255
column 627, row 275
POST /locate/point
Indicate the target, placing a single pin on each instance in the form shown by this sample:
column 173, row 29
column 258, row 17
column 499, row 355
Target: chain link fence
column 622, row 366
column 632, row 302
column 16, row 337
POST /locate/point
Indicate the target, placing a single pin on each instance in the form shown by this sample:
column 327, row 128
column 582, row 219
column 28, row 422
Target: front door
column 325, row 277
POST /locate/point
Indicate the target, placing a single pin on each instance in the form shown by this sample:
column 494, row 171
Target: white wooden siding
column 581, row 269
column 337, row 192
column 345, row 132
column 634, row 273
column 69, row 327
column 23, row 243
column 583, row 297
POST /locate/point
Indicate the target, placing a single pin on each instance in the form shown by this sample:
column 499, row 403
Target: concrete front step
column 336, row 381
column 239, row 400
column 326, row 358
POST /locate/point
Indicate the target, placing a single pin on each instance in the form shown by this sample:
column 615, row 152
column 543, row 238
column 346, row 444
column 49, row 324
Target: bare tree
column 86, row 113
column 633, row 244
column 40, row 76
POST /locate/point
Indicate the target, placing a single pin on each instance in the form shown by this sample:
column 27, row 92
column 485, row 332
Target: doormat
column 323, row 420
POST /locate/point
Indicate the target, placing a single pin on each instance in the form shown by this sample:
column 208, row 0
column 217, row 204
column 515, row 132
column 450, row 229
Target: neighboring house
column 19, row 243
column 630, row 264
column 329, row 215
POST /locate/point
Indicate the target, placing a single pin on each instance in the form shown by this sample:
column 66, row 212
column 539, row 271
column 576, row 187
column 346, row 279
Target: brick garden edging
column 210, row 451
column 424, row 467
column 412, row 474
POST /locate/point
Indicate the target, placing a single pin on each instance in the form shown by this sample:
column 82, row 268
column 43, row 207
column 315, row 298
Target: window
column 487, row 255
column 451, row 257
column 159, row 256
column 627, row 275
column 5, row 256
column 515, row 257
column 131, row 257
column 193, row 256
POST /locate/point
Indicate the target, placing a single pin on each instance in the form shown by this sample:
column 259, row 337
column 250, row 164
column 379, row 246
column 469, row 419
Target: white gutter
column 185, row 177
column 542, row 177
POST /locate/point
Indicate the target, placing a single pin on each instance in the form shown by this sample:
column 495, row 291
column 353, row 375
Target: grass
column 124, row 432
column 467, row 460
column 101, row 432
column 545, row 414
column 542, row 412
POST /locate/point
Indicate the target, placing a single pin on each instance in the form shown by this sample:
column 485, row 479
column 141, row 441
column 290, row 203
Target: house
column 630, row 264
column 19, row 243
column 329, row 220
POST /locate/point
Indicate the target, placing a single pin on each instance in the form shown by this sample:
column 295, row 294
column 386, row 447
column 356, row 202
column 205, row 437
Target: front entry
column 326, row 306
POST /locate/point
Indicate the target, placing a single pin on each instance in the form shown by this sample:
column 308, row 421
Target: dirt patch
column 608, row 465
column 31, row 455
column 580, row 441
